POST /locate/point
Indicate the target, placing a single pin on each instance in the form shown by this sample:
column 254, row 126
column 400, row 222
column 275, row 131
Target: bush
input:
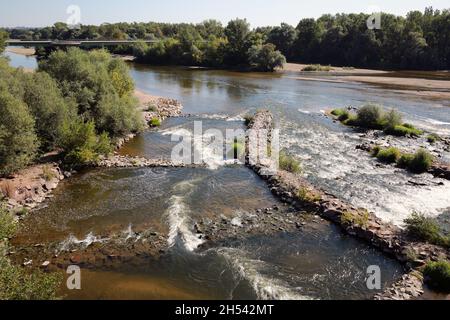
column 265, row 58
column 433, row 138
column 355, row 218
column 375, row 151
column 391, row 119
column 390, row 155
column 420, row 162
column 18, row 141
column 405, row 160
column 7, row 224
column 317, row 67
column 18, row 284
column 81, row 144
column 154, row 122
column 341, row 114
column 370, row 116
column 425, row 229
column 289, row 163
column 307, row 195
column 437, row 275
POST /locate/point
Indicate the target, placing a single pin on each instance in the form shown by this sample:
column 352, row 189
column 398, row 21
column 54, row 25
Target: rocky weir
column 293, row 189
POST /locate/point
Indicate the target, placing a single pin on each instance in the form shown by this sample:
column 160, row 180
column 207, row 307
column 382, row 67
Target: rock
column 45, row 264
column 27, row 263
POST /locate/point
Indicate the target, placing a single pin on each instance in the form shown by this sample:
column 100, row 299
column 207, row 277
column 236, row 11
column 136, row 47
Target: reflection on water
column 18, row 60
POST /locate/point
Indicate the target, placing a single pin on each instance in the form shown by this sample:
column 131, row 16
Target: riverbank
column 433, row 84
column 22, row 51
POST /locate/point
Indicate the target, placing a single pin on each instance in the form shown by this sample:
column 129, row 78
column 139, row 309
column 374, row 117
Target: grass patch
column 426, row 229
column 306, row 195
column 155, row 122
column 437, row 276
column 355, row 218
column 433, row 138
column 389, row 155
column 404, row 130
column 289, row 163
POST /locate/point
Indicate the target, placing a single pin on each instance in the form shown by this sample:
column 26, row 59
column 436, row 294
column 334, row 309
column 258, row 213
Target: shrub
column 425, row 229
column 154, row 122
column 370, row 116
column 307, row 195
column 375, row 151
column 405, row 160
column 18, row 284
column 355, row 218
column 341, row 114
column 433, row 138
column 317, row 67
column 152, row 108
column 18, row 141
column 7, row 224
column 289, row 163
column 47, row 173
column 390, row 155
column 391, row 119
column 420, row 162
column 437, row 275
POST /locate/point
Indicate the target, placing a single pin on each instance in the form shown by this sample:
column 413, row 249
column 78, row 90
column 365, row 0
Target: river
column 318, row 262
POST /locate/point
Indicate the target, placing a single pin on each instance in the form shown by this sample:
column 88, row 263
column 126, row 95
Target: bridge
column 74, row 43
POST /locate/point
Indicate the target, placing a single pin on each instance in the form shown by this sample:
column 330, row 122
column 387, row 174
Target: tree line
column 418, row 41
column 77, row 103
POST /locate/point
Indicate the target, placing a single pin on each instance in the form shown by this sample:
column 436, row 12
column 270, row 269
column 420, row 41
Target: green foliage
column 101, row 87
column 265, row 58
column 19, row 284
column 155, row 122
column 317, row 67
column 355, row 218
column 437, row 275
column 426, row 229
column 391, row 119
column 403, row 131
column 405, row 160
column 289, row 163
column 433, row 138
column 375, row 151
column 306, row 195
column 8, row 224
column 370, row 116
column 3, row 38
column 18, row 141
column 341, row 114
column 420, row 162
column 390, row 155
column 81, row 144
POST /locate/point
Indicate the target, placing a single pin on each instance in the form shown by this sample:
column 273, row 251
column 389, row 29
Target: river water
column 318, row 262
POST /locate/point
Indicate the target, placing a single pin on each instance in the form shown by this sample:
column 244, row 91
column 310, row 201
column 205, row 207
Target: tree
column 265, row 58
column 47, row 106
column 237, row 32
column 283, row 38
column 18, row 141
column 100, row 86
column 3, row 37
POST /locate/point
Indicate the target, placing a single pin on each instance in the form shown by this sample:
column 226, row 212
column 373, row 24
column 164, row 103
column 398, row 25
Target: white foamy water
column 210, row 154
column 331, row 161
column 178, row 218
column 266, row 287
column 73, row 241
